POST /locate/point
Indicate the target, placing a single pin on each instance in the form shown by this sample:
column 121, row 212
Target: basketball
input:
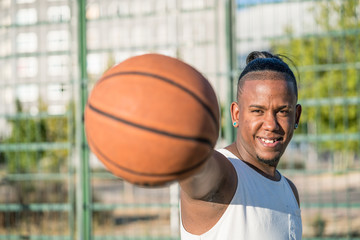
column 152, row 119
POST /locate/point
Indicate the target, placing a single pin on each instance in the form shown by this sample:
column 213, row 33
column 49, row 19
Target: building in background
column 38, row 50
column 39, row 67
column 35, row 55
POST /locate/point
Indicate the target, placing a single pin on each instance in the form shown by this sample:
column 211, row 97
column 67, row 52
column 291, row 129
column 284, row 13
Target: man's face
column 266, row 113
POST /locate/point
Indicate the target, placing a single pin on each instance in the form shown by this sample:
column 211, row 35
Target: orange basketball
column 152, row 119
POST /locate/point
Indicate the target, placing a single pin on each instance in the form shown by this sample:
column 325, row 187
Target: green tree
column 24, row 131
column 27, row 130
column 327, row 63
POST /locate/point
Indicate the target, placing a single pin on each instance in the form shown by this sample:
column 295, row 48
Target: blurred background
column 53, row 51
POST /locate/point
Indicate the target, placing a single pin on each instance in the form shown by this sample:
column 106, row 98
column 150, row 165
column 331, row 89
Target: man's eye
column 284, row 112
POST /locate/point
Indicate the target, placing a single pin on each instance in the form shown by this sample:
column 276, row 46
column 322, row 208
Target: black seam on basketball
column 157, row 131
column 142, row 173
column 167, row 80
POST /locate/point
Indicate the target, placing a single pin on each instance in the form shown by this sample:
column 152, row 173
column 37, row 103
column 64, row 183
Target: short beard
column 272, row 162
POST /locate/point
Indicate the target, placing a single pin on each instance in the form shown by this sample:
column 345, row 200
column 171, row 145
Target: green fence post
column 84, row 190
column 230, row 18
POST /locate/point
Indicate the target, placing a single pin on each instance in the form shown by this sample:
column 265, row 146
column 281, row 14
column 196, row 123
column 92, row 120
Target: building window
column 26, row 42
column 142, row 7
column 92, row 11
column 27, row 67
column 58, row 40
column 5, row 3
column 57, row 65
column 27, row 93
column 5, row 47
column 26, row 16
column 58, row 13
column 93, row 37
column 123, row 8
column 5, row 19
column 7, row 95
column 5, row 70
column 58, row 93
column 24, row 1
column 95, row 64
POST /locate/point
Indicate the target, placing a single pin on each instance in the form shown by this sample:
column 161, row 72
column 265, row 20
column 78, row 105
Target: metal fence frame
column 80, row 206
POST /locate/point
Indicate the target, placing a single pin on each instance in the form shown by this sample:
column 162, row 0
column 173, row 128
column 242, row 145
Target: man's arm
column 216, row 174
column 206, row 195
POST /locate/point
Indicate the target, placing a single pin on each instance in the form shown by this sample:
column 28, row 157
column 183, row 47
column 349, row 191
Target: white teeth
column 268, row 140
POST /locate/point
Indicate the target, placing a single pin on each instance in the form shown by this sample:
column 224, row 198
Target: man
column 239, row 194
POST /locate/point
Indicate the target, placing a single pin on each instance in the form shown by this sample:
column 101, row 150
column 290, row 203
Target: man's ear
column 234, row 109
column 298, row 113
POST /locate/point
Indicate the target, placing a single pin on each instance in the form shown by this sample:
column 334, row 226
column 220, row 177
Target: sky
column 242, row 3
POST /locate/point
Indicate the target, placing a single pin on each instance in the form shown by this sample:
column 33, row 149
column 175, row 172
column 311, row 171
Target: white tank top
column 260, row 209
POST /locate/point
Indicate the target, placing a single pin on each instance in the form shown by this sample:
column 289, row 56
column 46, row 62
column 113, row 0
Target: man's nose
column 270, row 122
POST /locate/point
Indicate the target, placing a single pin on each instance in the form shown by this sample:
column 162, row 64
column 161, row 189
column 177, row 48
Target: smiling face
column 266, row 113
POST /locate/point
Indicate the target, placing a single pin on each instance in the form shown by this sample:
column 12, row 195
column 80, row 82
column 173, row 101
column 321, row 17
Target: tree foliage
column 27, row 132
column 328, row 62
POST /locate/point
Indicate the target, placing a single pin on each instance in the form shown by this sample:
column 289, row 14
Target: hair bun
column 257, row 54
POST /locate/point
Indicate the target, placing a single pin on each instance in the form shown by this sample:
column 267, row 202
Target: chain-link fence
column 53, row 51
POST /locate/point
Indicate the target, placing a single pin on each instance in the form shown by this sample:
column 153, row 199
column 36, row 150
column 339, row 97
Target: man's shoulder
column 294, row 189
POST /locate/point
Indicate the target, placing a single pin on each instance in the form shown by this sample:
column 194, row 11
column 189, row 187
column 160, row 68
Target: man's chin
column 273, row 162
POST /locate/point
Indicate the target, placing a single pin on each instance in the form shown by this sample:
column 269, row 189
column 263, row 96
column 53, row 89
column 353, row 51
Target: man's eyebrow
column 257, row 106
column 284, row 106
column 263, row 107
